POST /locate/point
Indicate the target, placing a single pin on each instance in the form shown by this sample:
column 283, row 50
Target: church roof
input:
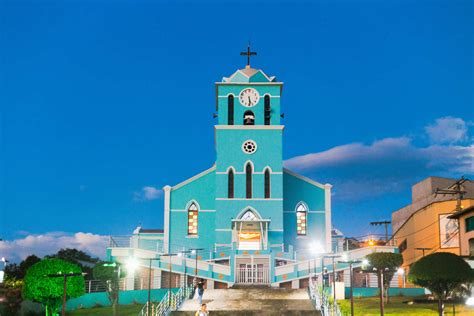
column 248, row 74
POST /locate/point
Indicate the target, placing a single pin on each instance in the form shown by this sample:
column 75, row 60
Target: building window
column 469, row 224
column 248, row 180
column 267, row 109
column 230, row 110
column 267, row 183
column 403, row 246
column 249, row 118
column 249, row 216
column 471, row 247
column 192, row 219
column 301, row 219
column 230, row 184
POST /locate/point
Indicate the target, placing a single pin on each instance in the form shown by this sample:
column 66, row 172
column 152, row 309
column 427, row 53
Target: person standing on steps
column 202, row 311
column 200, row 290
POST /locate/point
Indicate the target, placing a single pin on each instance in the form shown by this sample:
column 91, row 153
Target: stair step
column 251, row 313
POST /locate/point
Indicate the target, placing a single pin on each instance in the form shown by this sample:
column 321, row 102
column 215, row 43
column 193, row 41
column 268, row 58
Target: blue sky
column 103, row 103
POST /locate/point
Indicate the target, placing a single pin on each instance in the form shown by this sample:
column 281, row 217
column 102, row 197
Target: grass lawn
column 125, row 310
column 398, row 306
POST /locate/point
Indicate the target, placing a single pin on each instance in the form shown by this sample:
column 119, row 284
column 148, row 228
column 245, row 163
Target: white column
column 327, row 204
column 166, row 242
column 210, row 284
column 295, row 284
column 156, row 279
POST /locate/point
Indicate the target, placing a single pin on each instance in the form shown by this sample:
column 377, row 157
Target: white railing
column 322, row 301
column 167, row 304
column 120, row 241
column 92, row 286
column 253, row 276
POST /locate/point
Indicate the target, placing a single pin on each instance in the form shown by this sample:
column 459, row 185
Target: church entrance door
column 252, row 274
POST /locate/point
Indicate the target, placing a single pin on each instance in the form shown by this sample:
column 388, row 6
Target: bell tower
column 249, row 166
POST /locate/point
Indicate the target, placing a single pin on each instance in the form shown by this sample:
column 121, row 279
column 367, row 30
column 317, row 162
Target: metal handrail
column 322, row 301
column 167, row 303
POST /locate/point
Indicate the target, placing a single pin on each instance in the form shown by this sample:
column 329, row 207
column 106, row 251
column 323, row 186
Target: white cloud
column 359, row 170
column 147, row 193
column 51, row 242
column 447, row 130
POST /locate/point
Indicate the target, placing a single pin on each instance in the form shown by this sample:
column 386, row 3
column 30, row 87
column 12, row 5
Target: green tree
column 441, row 273
column 79, row 257
column 41, row 288
column 108, row 273
column 18, row 271
column 385, row 264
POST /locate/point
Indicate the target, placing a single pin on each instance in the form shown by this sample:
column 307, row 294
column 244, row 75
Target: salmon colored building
column 434, row 222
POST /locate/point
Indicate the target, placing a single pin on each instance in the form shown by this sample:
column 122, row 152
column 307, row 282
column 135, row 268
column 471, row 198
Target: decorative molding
column 174, row 210
column 294, row 174
column 239, row 172
column 227, row 95
column 223, row 230
column 251, row 127
column 253, row 199
column 179, row 185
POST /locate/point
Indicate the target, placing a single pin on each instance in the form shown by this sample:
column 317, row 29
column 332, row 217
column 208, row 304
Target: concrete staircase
column 252, row 301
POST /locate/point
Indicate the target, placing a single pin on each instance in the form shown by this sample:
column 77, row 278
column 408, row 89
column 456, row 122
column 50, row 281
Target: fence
column 94, row 286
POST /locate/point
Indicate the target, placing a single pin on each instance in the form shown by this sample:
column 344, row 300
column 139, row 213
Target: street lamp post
column 149, row 284
column 333, row 257
column 184, row 253
column 64, row 276
column 351, row 276
column 114, row 264
column 195, row 251
column 171, row 272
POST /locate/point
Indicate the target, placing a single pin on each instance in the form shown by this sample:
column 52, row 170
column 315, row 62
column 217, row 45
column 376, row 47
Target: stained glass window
column 301, row 219
column 192, row 219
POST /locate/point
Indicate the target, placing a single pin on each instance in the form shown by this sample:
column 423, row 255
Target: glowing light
column 344, row 257
column 470, row 301
column 132, row 264
column 400, row 271
column 371, row 242
column 365, row 262
column 317, row 248
column 193, row 252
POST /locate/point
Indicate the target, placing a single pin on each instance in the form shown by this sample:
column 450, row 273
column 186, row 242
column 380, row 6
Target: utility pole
column 455, row 189
column 385, row 223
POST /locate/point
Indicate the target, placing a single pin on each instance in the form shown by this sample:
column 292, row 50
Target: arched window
column 249, row 118
column 267, row 109
column 230, row 110
column 267, row 183
column 249, row 216
column 301, row 219
column 248, row 180
column 230, row 184
column 192, row 219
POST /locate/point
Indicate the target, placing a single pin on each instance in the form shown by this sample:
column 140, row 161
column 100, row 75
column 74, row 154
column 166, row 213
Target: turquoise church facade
column 248, row 105
column 245, row 218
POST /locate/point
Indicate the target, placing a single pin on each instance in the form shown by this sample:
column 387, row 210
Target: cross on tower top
column 248, row 53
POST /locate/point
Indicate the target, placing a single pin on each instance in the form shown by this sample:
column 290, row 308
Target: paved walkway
column 252, row 302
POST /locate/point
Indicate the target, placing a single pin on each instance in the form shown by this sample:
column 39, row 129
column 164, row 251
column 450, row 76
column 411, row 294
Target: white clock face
column 249, row 97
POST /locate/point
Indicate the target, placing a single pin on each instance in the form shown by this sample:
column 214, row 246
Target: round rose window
column 249, row 147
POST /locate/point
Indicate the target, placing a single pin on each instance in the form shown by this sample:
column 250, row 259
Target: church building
column 246, row 216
